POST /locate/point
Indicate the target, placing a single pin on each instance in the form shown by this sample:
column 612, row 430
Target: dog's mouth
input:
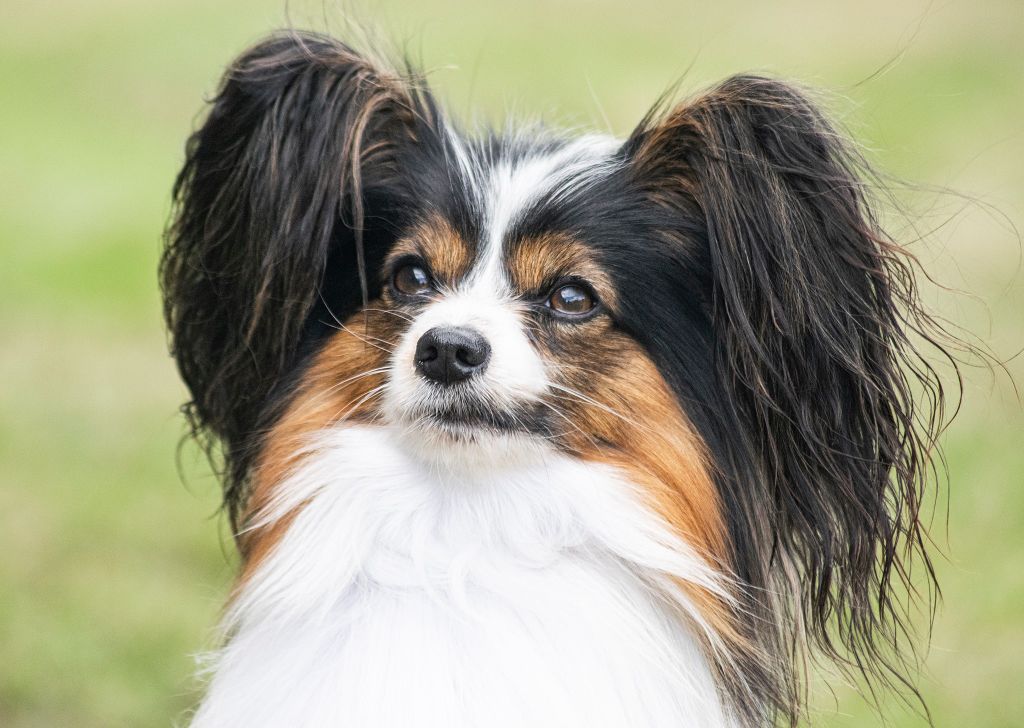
column 469, row 421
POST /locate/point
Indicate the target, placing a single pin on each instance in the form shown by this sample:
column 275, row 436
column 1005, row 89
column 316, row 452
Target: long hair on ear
column 818, row 336
column 300, row 138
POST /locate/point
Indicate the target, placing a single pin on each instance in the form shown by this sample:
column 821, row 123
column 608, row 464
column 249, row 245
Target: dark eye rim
column 402, row 263
column 596, row 309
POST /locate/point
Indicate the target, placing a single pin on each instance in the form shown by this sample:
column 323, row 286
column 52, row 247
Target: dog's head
column 707, row 305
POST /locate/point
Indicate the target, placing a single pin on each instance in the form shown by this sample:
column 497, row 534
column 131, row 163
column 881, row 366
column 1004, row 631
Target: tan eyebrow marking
column 534, row 261
column 447, row 253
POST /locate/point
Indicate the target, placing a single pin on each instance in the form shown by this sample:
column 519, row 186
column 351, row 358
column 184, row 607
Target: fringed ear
column 298, row 151
column 815, row 318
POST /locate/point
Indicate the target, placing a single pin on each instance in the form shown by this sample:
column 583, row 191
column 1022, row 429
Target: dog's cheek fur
column 628, row 416
column 639, row 427
column 342, row 383
column 622, row 413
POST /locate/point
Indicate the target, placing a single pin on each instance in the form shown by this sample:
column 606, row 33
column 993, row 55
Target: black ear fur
column 813, row 311
column 299, row 146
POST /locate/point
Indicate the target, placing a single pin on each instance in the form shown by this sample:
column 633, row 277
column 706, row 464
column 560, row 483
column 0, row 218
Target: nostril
column 471, row 356
column 426, row 353
column 471, row 351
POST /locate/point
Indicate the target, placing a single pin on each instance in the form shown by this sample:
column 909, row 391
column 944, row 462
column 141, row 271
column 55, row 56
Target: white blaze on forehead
column 512, row 186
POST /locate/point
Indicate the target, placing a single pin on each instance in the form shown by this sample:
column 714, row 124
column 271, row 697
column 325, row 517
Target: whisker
column 382, row 344
column 568, row 421
column 593, row 402
column 342, row 327
column 335, row 387
column 343, row 414
column 554, row 437
column 396, row 314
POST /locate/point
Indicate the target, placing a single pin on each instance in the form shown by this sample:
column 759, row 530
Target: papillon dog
column 530, row 428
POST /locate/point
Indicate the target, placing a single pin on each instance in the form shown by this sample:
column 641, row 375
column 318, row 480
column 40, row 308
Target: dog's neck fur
column 406, row 593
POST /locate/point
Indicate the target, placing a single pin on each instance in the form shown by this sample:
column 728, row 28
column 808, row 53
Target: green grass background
column 112, row 569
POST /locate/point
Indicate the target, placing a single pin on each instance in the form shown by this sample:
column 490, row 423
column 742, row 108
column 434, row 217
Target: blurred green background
column 113, row 567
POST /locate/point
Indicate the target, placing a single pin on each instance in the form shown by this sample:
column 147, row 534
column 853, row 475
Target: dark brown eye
column 572, row 299
column 413, row 279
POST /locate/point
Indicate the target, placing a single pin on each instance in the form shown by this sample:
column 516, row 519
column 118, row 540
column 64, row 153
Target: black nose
column 447, row 355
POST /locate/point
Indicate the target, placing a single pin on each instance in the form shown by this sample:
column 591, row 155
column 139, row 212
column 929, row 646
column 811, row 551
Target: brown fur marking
column 536, row 262
column 340, row 385
column 635, row 425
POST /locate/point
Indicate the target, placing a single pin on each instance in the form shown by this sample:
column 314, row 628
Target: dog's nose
column 451, row 354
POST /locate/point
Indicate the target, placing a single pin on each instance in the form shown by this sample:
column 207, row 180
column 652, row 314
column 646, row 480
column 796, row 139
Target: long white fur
column 540, row 594
column 483, row 581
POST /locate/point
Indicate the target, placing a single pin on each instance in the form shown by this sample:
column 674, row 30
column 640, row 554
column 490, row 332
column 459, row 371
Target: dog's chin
column 469, row 438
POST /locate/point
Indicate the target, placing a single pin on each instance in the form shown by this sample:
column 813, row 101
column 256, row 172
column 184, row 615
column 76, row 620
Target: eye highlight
column 572, row 299
column 412, row 279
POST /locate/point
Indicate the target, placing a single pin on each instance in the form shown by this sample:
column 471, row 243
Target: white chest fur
column 535, row 593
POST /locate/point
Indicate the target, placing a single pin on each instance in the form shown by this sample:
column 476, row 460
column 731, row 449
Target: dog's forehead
column 504, row 187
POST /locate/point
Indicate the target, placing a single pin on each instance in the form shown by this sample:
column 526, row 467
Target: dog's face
column 707, row 306
column 499, row 317
column 503, row 327
column 489, row 343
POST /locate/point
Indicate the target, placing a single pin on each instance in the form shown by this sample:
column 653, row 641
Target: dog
column 527, row 428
